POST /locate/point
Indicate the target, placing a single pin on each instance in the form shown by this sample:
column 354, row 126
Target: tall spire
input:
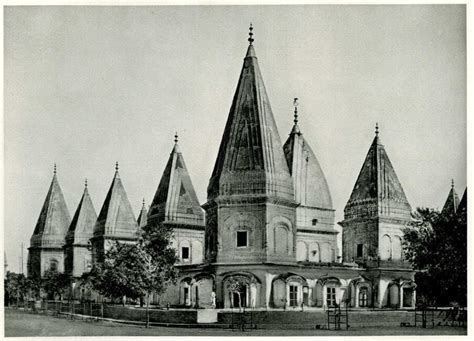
column 54, row 218
column 251, row 148
column 377, row 190
column 175, row 199
column 116, row 218
column 142, row 217
column 310, row 186
column 452, row 202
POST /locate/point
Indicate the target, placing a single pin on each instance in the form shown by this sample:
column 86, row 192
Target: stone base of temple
column 291, row 286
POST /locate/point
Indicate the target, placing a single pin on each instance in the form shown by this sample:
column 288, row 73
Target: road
column 19, row 323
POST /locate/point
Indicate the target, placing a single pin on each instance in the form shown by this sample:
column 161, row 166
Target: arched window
column 397, row 248
column 53, row 265
column 386, row 248
column 363, row 297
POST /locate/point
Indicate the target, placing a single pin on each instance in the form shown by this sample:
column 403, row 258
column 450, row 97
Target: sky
column 85, row 87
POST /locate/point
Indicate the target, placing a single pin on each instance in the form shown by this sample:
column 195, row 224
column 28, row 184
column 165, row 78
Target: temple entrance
column 407, row 297
column 239, row 297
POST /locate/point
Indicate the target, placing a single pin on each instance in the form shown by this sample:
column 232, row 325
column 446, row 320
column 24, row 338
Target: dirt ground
column 19, row 323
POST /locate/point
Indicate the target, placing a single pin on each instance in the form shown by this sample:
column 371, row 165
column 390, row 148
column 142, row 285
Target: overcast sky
column 88, row 86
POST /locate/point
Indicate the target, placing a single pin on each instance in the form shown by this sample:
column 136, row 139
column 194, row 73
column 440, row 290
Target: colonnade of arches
column 293, row 291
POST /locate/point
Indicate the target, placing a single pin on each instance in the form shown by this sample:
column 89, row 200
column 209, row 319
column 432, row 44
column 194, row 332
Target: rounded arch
column 397, row 252
column 280, row 236
column 240, row 289
column 197, row 252
column 326, row 253
column 301, row 251
column 385, row 247
column 314, row 252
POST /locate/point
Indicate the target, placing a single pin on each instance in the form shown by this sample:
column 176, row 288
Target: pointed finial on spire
column 116, row 166
column 176, row 137
column 85, row 183
column 250, row 34
column 54, row 170
column 295, row 104
column 452, row 183
column 143, row 203
column 376, row 129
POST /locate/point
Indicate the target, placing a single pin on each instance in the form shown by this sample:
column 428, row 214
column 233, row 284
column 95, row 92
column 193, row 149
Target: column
column 287, row 301
column 268, row 288
column 400, row 297
column 413, row 298
column 325, row 296
column 356, row 296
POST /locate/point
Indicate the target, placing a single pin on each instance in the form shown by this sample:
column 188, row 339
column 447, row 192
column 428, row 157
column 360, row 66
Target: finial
column 143, row 203
column 452, row 183
column 116, row 166
column 176, row 137
column 54, row 170
column 295, row 104
column 85, row 183
column 250, row 34
column 376, row 129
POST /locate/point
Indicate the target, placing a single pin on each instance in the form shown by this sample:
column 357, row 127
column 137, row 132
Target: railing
column 337, row 317
column 68, row 309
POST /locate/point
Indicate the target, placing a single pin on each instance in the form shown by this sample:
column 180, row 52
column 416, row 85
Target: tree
column 436, row 244
column 138, row 270
column 56, row 283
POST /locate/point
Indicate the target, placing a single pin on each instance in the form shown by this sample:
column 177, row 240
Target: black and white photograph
column 235, row 170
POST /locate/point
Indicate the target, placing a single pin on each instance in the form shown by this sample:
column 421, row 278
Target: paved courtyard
column 18, row 323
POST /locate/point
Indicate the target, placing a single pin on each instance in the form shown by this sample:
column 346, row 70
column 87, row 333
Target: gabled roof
column 175, row 199
column 54, row 218
column 452, row 202
column 377, row 191
column 83, row 222
column 250, row 159
column 116, row 218
column 310, row 185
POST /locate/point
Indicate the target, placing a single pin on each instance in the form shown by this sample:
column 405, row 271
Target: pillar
column 400, row 297
column 413, row 298
column 268, row 288
column 356, row 296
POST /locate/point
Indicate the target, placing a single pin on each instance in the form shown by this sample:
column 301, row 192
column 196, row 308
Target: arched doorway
column 241, row 290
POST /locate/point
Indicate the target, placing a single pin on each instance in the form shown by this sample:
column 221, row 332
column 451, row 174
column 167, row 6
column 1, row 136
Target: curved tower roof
column 250, row 160
column 310, row 185
column 54, row 218
column 116, row 219
column 83, row 222
column 452, row 201
column 175, row 199
column 377, row 190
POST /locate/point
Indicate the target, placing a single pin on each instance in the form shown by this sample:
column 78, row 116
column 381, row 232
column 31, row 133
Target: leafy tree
column 56, row 283
column 436, row 245
column 235, row 287
column 137, row 270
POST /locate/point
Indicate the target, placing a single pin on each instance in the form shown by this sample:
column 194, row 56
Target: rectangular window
column 185, row 253
column 360, row 250
column 331, row 296
column 293, row 296
column 241, row 238
column 189, row 210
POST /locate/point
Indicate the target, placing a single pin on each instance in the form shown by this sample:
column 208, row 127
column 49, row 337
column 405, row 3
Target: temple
column 266, row 235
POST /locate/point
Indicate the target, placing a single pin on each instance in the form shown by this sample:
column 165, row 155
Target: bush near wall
column 139, row 314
